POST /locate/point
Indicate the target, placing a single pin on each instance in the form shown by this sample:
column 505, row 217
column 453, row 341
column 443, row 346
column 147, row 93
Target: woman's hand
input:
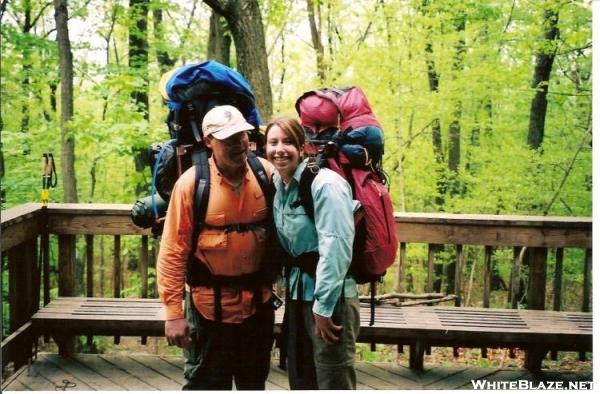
column 326, row 330
column 178, row 333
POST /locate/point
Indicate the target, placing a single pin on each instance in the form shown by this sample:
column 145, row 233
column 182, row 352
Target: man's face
column 230, row 152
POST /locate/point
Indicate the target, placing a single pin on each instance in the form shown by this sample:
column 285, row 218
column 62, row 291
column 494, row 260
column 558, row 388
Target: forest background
column 454, row 84
column 486, row 106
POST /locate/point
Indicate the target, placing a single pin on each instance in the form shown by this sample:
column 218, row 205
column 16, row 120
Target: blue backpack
column 192, row 90
column 189, row 92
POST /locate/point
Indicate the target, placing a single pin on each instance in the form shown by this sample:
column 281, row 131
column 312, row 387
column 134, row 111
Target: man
column 227, row 329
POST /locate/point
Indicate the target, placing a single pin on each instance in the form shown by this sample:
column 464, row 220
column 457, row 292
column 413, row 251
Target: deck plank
column 16, row 385
column 112, row 372
column 28, row 378
column 58, row 376
column 374, row 382
column 95, row 380
column 166, row 369
column 135, row 368
column 402, row 371
column 143, row 372
column 398, row 382
column 457, row 380
column 432, row 376
column 278, row 377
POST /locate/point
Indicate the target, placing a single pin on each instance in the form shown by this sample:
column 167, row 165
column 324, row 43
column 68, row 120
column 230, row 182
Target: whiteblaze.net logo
column 529, row 385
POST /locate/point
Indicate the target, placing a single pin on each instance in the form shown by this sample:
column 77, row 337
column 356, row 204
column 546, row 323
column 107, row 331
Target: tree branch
column 586, row 46
column 39, row 15
column 419, row 299
column 2, row 9
column 279, row 34
column 363, row 36
column 221, row 6
column 510, row 15
column 189, row 24
column 568, row 170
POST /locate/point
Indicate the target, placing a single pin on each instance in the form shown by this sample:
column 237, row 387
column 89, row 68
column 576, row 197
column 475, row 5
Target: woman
column 322, row 305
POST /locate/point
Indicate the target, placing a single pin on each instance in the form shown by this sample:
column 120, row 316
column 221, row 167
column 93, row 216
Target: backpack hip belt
column 201, row 276
column 239, row 227
column 307, row 262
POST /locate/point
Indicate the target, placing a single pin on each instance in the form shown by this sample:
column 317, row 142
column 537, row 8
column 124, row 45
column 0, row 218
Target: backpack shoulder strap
column 201, row 189
column 261, row 176
column 201, row 192
column 304, row 189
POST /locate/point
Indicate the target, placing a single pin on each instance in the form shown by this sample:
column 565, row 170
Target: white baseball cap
column 224, row 121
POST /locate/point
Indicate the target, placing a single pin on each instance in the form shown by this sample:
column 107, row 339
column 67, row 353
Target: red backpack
column 344, row 112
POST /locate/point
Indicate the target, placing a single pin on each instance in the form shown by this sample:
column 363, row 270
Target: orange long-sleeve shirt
column 230, row 253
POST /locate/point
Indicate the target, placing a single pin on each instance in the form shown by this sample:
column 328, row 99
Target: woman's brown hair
column 291, row 127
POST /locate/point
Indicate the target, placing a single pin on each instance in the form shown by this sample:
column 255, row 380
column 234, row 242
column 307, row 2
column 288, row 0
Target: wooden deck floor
column 143, row 372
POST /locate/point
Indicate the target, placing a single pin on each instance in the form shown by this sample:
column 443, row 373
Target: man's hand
column 326, row 330
column 178, row 333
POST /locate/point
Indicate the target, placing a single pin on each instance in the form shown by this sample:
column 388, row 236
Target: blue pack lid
column 210, row 71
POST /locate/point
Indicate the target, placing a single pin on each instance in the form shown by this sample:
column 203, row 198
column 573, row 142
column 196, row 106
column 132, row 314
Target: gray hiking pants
column 313, row 364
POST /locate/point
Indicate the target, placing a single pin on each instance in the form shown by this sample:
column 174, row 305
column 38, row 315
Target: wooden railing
column 26, row 231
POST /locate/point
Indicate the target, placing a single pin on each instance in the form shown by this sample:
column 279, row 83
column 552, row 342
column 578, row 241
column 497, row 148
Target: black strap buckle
column 238, row 227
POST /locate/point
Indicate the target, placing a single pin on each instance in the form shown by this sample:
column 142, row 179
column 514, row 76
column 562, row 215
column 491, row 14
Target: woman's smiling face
column 282, row 152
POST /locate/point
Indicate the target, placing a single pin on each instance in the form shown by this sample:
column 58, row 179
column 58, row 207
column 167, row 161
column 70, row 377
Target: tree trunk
column 455, row 129
column 219, row 43
column 165, row 62
column 138, row 51
column 26, row 72
column 541, row 76
column 66, row 101
column 315, row 34
column 138, row 65
column 2, row 193
column 245, row 21
column 436, row 128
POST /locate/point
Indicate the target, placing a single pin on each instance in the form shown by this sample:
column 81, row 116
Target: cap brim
column 231, row 130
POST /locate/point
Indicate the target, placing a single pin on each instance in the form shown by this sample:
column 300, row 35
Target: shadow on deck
column 142, row 372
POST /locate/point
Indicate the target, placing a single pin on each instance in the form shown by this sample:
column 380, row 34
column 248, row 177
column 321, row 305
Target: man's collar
column 223, row 178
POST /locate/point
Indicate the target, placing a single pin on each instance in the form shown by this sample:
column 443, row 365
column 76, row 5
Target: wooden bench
column 416, row 326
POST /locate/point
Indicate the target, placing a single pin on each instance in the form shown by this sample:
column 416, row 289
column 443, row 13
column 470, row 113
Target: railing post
column 430, row 258
column 487, row 276
column 22, row 262
column 66, row 265
column 117, row 275
column 401, row 269
column 557, row 285
column 558, row 271
column 89, row 272
column 144, row 266
column 117, row 268
column 89, row 253
column 536, row 293
column 515, row 277
column 152, row 263
column 487, row 284
column 587, row 288
column 144, row 272
column 536, row 299
column 458, row 274
column 66, row 285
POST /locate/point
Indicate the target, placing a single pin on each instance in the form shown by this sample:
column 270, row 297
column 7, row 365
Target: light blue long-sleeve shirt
column 331, row 235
